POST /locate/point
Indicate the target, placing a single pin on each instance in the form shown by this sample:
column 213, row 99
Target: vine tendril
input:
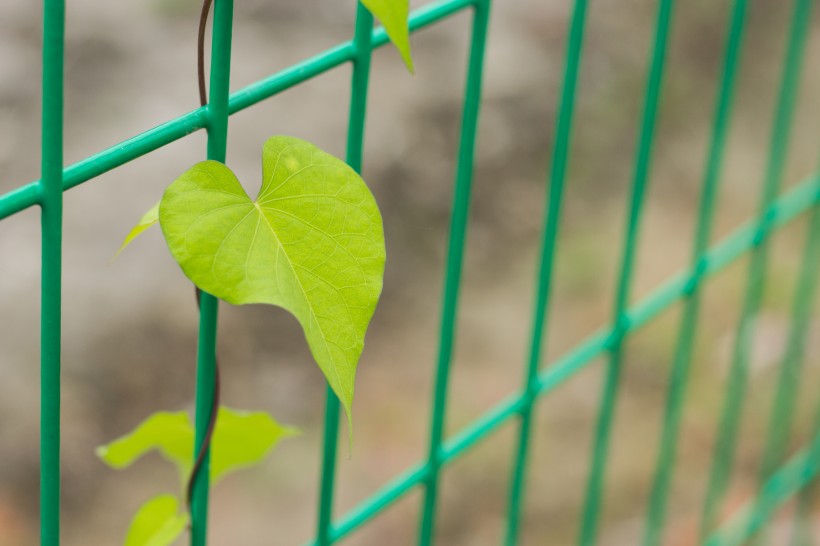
column 203, row 100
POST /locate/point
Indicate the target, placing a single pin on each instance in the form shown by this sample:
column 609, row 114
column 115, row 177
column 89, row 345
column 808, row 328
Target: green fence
column 780, row 479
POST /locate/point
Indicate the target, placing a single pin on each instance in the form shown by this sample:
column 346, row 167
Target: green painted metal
column 51, row 200
column 736, row 387
column 789, row 480
column 205, row 382
column 789, row 207
column 780, row 423
column 362, row 50
column 799, row 475
column 603, row 431
column 803, row 532
column 560, row 158
column 779, row 483
column 455, row 254
column 166, row 133
column 20, row 199
column 217, row 127
column 783, row 407
column 785, row 401
column 664, row 468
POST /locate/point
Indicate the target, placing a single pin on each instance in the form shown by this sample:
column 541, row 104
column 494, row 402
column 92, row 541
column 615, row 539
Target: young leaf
column 242, row 439
column 170, row 433
column 394, row 15
column 158, row 522
column 148, row 219
column 312, row 243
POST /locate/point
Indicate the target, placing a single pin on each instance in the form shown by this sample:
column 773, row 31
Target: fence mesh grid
column 780, row 479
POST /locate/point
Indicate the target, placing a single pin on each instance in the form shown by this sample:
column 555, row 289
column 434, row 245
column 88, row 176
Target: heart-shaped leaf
column 394, row 15
column 242, row 439
column 158, row 522
column 312, row 243
column 170, row 433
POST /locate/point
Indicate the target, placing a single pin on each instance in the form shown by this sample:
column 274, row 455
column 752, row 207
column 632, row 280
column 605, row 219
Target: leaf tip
column 101, row 452
column 408, row 62
column 290, row 432
column 147, row 220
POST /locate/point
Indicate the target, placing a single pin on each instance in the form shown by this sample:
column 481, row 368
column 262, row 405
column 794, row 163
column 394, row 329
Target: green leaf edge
column 167, row 523
column 185, row 464
column 344, row 398
column 397, row 28
column 147, row 442
column 147, row 220
column 282, row 432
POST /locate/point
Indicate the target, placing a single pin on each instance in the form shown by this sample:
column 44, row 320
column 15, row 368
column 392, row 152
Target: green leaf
column 158, row 522
column 148, row 219
column 394, row 15
column 170, row 433
column 312, row 243
column 243, row 439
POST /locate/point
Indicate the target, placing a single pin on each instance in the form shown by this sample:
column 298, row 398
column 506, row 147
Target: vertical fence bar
column 455, row 253
column 804, row 300
column 560, row 159
column 362, row 42
column 679, row 377
column 595, row 486
column 217, row 111
column 803, row 534
column 786, row 398
column 736, row 387
column 51, row 193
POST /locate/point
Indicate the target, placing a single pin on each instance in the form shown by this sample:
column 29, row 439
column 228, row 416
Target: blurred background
column 130, row 325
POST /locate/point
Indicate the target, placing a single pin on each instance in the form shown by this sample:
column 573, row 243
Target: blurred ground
column 130, row 326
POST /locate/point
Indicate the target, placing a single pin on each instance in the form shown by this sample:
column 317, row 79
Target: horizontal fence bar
column 332, row 58
column 791, row 205
column 389, row 494
column 291, row 76
column 28, row 195
column 20, row 199
column 115, row 156
column 785, row 483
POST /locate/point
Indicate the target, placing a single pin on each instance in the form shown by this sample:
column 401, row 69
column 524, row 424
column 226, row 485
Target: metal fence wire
column 781, row 479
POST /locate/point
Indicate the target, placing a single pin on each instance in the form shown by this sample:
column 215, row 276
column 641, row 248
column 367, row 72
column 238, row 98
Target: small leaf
column 148, row 219
column 312, row 243
column 394, row 15
column 243, row 439
column 158, row 522
column 170, row 433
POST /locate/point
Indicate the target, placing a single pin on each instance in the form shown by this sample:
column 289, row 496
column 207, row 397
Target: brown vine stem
column 200, row 51
column 203, row 100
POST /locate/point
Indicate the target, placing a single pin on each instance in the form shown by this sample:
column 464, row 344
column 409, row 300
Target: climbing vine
column 311, row 242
